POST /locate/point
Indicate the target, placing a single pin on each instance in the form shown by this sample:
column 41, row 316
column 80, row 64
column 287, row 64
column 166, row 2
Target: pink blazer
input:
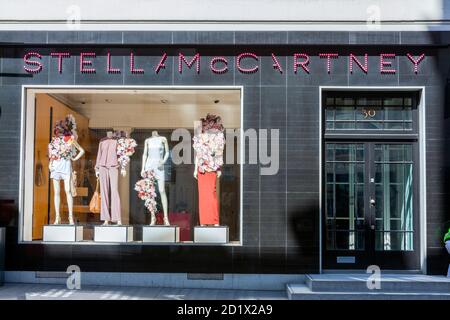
column 107, row 154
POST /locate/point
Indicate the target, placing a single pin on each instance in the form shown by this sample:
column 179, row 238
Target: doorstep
column 355, row 287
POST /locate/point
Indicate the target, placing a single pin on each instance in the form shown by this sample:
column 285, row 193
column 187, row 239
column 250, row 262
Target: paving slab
column 14, row 291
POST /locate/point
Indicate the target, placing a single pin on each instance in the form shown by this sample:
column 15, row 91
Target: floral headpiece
column 211, row 121
column 119, row 134
column 66, row 127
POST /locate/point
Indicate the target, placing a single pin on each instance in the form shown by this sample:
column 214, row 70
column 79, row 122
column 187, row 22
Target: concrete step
column 303, row 292
column 394, row 283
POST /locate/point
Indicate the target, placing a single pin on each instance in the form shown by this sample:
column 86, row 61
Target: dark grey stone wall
column 281, row 212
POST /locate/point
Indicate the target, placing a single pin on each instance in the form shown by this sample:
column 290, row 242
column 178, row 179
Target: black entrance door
column 370, row 205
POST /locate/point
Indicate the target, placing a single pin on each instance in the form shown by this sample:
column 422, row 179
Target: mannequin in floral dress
column 62, row 151
column 209, row 146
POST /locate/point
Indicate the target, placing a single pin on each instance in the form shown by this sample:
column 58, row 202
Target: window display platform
column 211, row 234
column 62, row 233
column 113, row 233
column 161, row 234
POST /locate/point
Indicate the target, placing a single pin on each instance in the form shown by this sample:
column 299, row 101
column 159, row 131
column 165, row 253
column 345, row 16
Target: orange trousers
column 207, row 198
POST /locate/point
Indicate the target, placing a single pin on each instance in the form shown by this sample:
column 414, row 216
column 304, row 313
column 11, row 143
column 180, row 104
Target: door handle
column 372, row 227
column 372, row 201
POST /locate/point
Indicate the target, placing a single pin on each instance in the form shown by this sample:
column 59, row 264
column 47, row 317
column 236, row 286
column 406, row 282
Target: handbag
column 39, row 175
column 94, row 205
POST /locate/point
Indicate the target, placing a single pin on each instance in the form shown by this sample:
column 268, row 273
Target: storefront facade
column 362, row 147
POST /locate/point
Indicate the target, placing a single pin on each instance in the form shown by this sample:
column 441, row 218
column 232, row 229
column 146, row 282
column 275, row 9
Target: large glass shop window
column 132, row 166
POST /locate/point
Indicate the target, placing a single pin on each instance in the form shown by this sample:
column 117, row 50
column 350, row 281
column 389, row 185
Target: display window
column 145, row 165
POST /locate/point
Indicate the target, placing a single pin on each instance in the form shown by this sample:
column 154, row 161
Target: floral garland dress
column 125, row 149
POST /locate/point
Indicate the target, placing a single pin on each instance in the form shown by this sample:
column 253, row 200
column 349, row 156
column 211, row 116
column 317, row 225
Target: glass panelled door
column 370, row 205
column 345, row 184
column 393, row 202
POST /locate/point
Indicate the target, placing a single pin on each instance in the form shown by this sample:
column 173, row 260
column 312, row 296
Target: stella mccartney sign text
column 246, row 62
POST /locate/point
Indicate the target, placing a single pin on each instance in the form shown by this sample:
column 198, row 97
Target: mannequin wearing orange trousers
column 207, row 198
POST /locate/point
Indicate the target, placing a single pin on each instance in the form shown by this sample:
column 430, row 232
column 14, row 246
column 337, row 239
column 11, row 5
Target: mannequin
column 60, row 165
column 156, row 153
column 209, row 146
column 107, row 170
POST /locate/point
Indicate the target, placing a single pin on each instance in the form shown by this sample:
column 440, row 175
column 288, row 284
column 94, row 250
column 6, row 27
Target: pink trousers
column 109, row 182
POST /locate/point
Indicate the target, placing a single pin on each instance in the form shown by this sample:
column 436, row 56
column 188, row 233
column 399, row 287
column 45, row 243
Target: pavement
column 15, row 291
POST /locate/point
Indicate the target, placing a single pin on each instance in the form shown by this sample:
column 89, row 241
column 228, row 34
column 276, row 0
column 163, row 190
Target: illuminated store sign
column 246, row 62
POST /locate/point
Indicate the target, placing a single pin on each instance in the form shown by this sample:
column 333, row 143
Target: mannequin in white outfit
column 156, row 153
column 62, row 170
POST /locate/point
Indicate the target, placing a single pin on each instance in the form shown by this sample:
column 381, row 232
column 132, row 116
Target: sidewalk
column 13, row 291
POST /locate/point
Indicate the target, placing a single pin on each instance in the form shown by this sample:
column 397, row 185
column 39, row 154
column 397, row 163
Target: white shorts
column 59, row 176
column 61, row 169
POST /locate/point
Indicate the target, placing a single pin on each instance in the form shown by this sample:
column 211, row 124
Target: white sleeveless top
column 155, row 153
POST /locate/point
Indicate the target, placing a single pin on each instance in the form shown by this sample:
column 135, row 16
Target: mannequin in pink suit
column 107, row 170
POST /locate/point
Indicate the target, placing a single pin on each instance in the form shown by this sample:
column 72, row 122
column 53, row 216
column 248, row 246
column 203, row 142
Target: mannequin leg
column 57, row 200
column 116, row 215
column 153, row 219
column 69, row 198
column 162, row 192
column 104, row 193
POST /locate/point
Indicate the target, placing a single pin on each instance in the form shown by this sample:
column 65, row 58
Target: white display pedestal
column 62, row 233
column 113, row 233
column 211, row 234
column 161, row 234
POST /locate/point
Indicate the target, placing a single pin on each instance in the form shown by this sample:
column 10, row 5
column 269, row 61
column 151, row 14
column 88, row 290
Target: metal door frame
column 421, row 145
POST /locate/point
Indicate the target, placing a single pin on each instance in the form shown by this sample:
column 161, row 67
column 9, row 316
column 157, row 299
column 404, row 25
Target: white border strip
column 263, row 26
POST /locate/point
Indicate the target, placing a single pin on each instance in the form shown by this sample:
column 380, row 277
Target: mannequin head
column 109, row 134
column 155, row 133
column 212, row 123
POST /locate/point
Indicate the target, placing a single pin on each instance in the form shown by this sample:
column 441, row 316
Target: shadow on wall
column 303, row 238
column 8, row 213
